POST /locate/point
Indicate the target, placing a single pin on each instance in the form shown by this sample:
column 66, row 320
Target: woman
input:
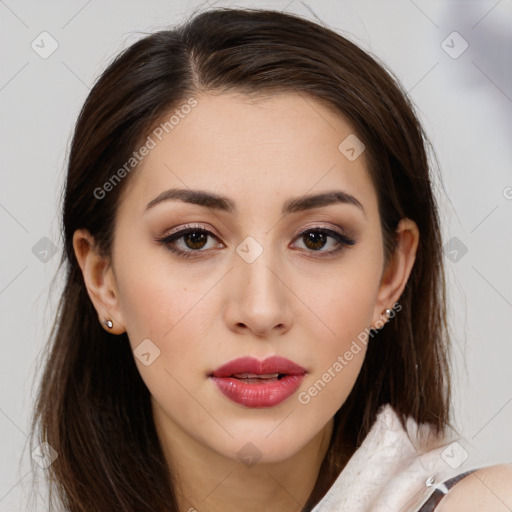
column 254, row 310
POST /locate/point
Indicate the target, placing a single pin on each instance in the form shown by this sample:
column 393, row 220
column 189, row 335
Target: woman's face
column 263, row 272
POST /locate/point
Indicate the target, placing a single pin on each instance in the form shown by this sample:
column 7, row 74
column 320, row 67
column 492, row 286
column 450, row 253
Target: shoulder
column 488, row 488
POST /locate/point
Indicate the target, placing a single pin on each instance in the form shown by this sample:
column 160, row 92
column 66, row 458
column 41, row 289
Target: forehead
column 261, row 148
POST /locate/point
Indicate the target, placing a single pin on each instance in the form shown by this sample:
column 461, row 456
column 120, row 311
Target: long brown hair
column 92, row 405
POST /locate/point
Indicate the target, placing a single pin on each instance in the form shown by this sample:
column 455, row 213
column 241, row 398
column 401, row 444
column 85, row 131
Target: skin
column 208, row 309
column 488, row 488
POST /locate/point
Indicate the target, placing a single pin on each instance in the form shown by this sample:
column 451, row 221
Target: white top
column 393, row 472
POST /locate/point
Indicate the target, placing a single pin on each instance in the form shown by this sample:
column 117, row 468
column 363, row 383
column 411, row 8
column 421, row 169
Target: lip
column 258, row 392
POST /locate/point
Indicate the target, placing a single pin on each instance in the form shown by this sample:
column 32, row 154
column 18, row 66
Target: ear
column 396, row 274
column 99, row 280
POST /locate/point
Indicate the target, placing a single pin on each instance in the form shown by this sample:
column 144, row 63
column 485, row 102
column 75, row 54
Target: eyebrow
column 218, row 202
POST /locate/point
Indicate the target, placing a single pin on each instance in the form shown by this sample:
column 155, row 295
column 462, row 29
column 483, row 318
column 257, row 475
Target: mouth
column 254, row 378
column 253, row 383
column 250, row 368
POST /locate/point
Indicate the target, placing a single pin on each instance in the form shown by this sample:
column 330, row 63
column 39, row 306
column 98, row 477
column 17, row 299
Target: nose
column 259, row 297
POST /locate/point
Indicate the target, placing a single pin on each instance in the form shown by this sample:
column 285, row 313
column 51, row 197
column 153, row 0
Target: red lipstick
column 258, row 384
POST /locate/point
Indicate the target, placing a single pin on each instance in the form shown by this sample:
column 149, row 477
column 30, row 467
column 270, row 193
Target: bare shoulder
column 488, row 488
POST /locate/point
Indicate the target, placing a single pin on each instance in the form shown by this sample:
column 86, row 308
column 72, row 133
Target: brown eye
column 314, row 239
column 195, row 239
column 189, row 242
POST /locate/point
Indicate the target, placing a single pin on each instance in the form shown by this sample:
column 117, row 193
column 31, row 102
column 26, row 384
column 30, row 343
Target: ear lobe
column 398, row 270
column 99, row 281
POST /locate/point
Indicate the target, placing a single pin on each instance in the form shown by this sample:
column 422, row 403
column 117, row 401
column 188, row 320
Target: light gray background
column 465, row 104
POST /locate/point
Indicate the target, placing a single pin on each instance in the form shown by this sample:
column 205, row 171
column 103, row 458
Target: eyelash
column 167, row 241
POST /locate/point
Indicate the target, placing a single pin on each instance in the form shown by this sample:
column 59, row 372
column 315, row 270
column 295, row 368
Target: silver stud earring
column 109, row 323
column 388, row 312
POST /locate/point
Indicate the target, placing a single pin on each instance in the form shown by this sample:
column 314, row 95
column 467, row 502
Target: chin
column 265, row 445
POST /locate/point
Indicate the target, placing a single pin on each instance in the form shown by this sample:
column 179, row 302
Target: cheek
column 343, row 302
column 173, row 310
column 347, row 311
column 173, row 315
column 343, row 314
column 338, row 356
column 155, row 298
